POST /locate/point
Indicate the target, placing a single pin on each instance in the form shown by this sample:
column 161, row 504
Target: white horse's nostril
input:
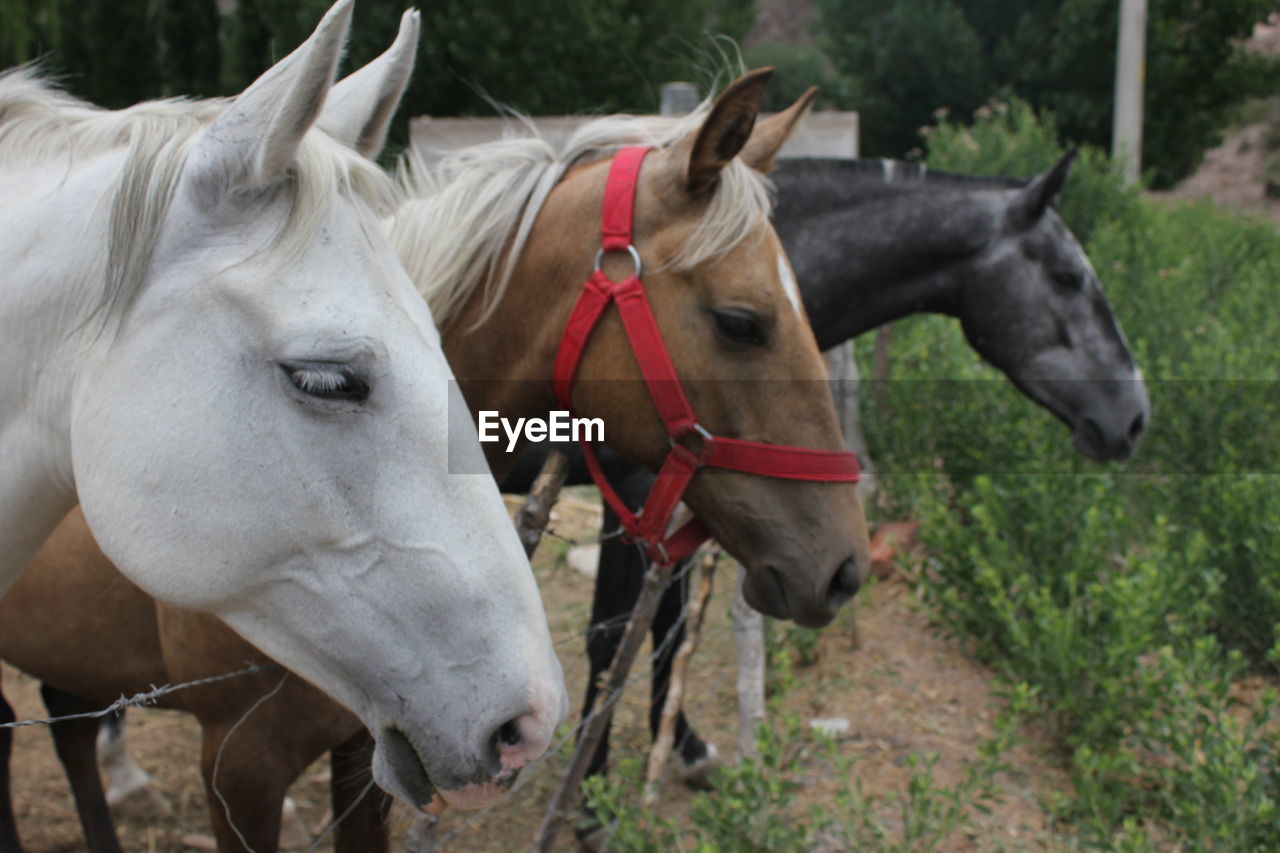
column 509, row 733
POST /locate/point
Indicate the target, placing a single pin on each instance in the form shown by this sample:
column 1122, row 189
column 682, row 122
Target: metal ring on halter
column 696, row 428
column 635, row 258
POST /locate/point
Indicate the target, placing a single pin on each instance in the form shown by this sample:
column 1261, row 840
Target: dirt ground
column 904, row 690
column 1232, row 175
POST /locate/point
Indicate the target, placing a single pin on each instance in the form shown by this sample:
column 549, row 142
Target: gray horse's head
column 1033, row 305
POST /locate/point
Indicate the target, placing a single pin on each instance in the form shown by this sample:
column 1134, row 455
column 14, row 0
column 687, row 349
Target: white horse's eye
column 327, row 381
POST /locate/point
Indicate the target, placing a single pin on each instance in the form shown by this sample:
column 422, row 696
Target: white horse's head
column 262, row 432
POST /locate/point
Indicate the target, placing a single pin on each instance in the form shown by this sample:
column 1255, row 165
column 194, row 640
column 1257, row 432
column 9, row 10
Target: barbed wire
column 577, row 543
column 139, row 700
column 605, row 704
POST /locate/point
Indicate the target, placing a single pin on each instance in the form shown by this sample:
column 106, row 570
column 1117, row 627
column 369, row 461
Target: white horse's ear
column 252, row 144
column 726, row 130
column 772, row 133
column 361, row 105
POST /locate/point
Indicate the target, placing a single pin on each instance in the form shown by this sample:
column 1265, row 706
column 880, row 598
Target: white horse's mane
column 40, row 124
column 467, row 217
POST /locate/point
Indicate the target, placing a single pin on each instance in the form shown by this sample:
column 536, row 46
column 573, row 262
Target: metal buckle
column 635, row 257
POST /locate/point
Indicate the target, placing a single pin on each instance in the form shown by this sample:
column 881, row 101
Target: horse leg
column 697, row 756
column 9, row 842
column 129, row 788
column 364, row 827
column 618, row 584
column 76, row 745
column 246, row 797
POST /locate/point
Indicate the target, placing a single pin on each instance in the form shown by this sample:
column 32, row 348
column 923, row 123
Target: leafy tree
column 796, row 68
column 26, row 29
column 190, row 56
column 107, row 49
column 563, row 56
column 907, row 59
column 566, row 56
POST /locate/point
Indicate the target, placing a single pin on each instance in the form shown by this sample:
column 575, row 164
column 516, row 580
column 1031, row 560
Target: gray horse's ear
column 772, row 133
column 726, row 130
column 359, row 110
column 253, row 143
column 1042, row 190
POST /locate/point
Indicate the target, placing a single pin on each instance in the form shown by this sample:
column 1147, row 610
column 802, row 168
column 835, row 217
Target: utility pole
column 1131, row 53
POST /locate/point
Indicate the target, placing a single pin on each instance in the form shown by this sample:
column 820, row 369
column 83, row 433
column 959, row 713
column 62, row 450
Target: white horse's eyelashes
column 328, row 381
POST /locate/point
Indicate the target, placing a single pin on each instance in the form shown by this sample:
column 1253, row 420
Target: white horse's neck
column 52, row 266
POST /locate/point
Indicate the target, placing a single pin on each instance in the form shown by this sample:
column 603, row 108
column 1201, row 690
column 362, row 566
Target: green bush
column 1008, row 139
column 1130, row 597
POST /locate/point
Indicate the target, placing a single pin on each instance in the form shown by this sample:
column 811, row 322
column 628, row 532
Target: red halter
column 648, row 527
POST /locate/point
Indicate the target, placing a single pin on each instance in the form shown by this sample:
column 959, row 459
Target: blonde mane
column 466, row 219
column 41, row 125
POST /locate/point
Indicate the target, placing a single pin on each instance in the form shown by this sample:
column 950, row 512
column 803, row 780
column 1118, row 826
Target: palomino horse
column 703, row 226
column 206, row 340
column 873, row 241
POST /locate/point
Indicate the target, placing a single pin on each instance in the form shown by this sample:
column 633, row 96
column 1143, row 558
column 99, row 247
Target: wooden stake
column 748, row 634
column 565, row 799
column 535, row 512
column 665, row 741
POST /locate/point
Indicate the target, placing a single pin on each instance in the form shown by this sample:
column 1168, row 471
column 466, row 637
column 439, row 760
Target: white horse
column 206, row 340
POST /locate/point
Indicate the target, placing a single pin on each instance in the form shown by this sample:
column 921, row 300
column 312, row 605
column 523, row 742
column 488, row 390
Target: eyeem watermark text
column 560, row 426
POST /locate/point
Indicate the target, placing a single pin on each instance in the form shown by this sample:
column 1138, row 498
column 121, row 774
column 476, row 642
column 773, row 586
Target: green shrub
column 1131, row 597
column 1007, row 139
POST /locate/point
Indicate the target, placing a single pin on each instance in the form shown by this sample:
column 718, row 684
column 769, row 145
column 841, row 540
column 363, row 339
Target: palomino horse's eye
column 739, row 327
column 327, row 380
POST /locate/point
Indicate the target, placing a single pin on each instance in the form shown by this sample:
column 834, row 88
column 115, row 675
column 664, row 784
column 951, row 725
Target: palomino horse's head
column 262, row 434
column 1033, row 306
column 730, row 315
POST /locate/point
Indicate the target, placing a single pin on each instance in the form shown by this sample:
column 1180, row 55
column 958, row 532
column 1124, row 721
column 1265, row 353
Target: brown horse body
column 83, row 629
column 804, row 544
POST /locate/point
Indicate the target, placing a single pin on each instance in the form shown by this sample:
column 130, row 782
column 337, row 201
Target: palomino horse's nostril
column 844, row 584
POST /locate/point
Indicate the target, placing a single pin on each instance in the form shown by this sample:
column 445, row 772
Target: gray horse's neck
column 876, row 240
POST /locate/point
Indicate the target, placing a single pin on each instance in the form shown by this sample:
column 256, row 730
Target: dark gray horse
column 872, row 241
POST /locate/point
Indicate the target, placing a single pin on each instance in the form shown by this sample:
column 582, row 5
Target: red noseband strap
column 648, row 527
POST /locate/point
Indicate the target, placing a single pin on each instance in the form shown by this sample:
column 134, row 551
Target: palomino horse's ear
column 361, row 105
column 772, row 133
column 253, row 143
column 1042, row 190
column 726, row 130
